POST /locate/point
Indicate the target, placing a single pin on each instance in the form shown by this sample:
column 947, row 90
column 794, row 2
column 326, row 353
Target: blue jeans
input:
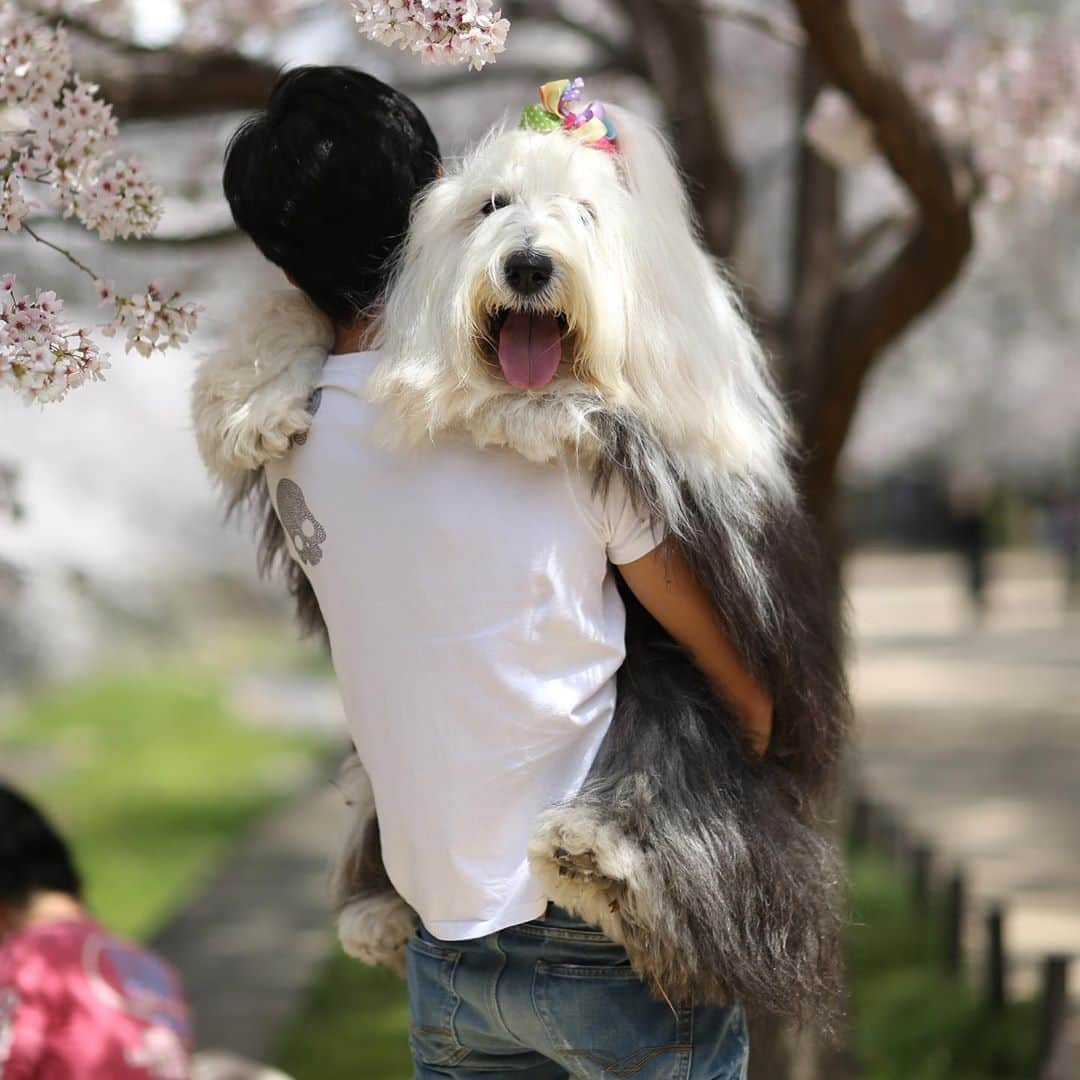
column 555, row 998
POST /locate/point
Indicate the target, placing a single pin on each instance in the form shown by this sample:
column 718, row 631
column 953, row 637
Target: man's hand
column 663, row 583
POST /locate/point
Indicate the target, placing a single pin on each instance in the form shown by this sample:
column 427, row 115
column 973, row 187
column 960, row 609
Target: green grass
column 911, row 1021
column 151, row 780
column 354, row 1024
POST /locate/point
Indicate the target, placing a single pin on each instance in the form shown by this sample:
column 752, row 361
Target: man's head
column 33, row 858
column 323, row 181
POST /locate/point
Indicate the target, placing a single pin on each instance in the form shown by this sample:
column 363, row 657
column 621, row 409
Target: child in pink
column 76, row 1002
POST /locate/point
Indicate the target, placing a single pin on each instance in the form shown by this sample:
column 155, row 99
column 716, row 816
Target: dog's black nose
column 527, row 272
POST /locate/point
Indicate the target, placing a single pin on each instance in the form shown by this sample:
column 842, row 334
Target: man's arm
column 662, row 581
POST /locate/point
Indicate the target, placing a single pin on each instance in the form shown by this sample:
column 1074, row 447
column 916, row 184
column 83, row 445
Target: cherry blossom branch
column 66, row 149
column 60, row 251
column 87, row 28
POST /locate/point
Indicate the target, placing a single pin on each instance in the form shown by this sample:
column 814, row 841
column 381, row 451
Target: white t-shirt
column 476, row 630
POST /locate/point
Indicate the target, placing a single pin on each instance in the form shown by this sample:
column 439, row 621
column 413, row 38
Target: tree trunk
column 674, row 39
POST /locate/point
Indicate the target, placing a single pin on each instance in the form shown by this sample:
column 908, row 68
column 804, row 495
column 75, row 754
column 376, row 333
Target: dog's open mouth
column 528, row 345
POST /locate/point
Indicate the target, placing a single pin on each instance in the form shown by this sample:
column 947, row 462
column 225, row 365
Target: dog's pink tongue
column 529, row 349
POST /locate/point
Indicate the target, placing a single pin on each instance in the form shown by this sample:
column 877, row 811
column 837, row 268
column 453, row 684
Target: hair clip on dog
column 591, row 125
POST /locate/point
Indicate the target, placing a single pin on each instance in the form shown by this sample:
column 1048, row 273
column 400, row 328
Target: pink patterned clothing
column 77, row 1003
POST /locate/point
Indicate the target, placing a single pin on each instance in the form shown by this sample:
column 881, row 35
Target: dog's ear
column 695, row 363
column 250, row 396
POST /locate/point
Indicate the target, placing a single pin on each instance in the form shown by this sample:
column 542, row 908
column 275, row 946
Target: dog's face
column 527, row 269
column 539, row 260
column 544, row 281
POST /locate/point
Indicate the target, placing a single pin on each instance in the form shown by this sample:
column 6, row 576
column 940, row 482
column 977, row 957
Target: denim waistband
column 557, row 916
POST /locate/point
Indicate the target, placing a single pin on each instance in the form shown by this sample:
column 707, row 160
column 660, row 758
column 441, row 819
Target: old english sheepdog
column 553, row 296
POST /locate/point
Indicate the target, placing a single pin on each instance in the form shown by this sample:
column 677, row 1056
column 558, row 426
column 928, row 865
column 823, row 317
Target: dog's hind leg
column 374, row 923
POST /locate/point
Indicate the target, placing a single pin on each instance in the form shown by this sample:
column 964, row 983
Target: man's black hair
column 323, row 181
column 33, row 856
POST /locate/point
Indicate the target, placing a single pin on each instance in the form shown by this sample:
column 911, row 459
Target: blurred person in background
column 75, row 1000
column 971, row 496
column 1063, row 514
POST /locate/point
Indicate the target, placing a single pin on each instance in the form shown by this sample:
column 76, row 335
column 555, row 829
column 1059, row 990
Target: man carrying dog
column 472, row 610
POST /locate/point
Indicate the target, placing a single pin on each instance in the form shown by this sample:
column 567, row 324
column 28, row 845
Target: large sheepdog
column 553, row 296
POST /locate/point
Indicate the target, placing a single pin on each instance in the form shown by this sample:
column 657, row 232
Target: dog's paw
column 585, row 847
column 588, row 865
column 375, row 929
column 266, row 431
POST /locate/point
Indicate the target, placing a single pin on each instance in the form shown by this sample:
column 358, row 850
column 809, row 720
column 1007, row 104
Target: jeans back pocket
column 603, row 1022
column 433, row 1002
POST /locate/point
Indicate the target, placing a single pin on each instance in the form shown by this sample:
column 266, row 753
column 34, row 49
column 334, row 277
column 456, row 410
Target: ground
column 971, row 732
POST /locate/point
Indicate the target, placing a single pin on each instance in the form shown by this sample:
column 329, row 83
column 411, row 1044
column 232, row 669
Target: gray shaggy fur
column 731, row 843
column 735, row 892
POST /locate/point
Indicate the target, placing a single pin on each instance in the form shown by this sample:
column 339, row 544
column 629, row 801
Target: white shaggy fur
column 602, row 864
column 375, row 930
column 250, row 397
column 654, row 327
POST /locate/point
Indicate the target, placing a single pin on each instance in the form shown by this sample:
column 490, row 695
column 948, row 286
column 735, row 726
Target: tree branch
column 170, row 83
column 673, row 36
column 59, row 250
column 611, row 52
column 867, row 317
column 857, row 247
column 783, row 30
column 222, row 235
column 88, row 29
column 815, row 255
column 166, row 81
column 458, row 78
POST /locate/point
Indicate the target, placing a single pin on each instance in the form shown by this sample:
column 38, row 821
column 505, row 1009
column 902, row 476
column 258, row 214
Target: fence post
column 995, row 958
column 954, row 924
column 1054, row 1007
column 921, row 862
column 861, row 823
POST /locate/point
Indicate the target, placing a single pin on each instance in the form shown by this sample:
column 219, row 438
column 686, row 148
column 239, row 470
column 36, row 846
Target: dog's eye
column 588, row 211
column 496, row 202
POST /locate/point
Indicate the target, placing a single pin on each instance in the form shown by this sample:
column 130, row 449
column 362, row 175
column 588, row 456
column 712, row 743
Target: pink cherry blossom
column 448, row 32
column 150, row 321
column 57, row 155
column 41, row 357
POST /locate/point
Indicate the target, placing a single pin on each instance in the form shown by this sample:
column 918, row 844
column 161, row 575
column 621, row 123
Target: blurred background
column 915, row 279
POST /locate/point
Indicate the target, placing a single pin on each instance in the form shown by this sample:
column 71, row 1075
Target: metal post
column 955, row 899
column 922, row 860
column 1054, row 1006
column 861, row 823
column 995, row 958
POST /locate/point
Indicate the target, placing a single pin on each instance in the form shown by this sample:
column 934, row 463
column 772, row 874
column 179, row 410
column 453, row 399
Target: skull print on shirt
column 306, row 535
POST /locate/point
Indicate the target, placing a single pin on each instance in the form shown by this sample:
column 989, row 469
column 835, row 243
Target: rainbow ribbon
column 591, row 124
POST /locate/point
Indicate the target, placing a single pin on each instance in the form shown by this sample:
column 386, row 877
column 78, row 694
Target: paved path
column 249, row 946
column 972, row 733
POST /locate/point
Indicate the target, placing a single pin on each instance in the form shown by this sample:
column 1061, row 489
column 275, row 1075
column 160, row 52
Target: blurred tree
column 833, row 324
column 987, row 107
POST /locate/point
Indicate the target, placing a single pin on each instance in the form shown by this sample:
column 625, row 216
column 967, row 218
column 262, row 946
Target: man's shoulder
column 347, row 372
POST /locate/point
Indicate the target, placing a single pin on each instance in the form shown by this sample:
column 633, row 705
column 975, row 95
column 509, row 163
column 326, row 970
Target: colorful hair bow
column 591, row 125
